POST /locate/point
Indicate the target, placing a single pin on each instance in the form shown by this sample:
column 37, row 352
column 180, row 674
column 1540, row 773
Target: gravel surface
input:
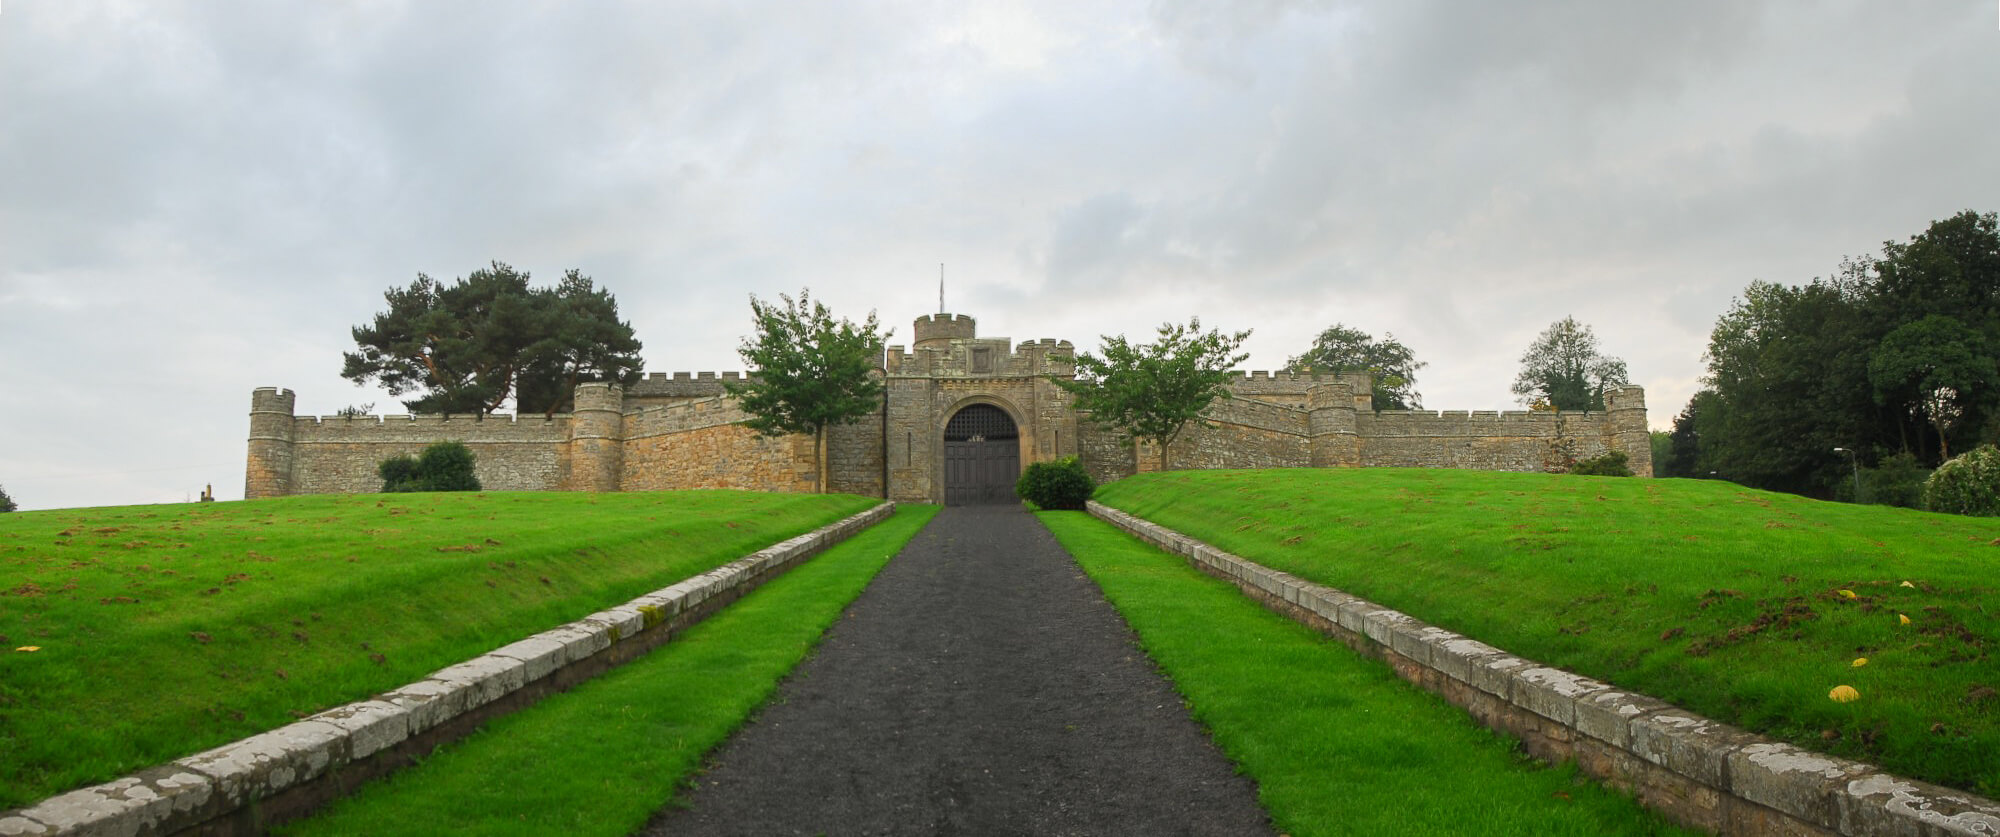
column 981, row 685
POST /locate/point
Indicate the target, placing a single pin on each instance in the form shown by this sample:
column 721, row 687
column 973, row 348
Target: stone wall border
column 246, row 786
column 1696, row 771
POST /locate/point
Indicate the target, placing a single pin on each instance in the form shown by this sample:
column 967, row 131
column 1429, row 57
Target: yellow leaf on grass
column 1906, row 619
column 1847, row 594
column 1907, row 584
column 29, row 648
column 1844, row 694
column 1860, row 661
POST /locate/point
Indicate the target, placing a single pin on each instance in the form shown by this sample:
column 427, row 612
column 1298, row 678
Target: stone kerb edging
column 248, row 785
column 1695, row 770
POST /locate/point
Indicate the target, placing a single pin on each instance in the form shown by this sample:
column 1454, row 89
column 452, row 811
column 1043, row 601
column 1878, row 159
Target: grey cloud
column 201, row 197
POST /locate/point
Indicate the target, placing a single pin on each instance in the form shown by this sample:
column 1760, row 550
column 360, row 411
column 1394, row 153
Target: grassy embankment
column 1336, row 743
column 165, row 630
column 1743, row 605
column 601, row 758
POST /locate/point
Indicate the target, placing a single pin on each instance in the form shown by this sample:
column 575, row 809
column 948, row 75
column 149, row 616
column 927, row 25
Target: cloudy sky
column 200, row 198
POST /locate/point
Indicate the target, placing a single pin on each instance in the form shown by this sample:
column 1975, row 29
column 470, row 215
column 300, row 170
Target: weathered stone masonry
column 684, row 431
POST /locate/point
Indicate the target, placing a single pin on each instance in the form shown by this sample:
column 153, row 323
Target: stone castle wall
column 684, row 431
column 338, row 455
column 1335, row 427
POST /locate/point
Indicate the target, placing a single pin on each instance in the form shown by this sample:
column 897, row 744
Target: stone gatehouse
column 961, row 415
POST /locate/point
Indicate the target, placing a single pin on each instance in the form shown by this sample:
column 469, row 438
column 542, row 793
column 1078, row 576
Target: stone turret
column 1331, row 423
column 1627, row 408
column 936, row 331
column 268, row 468
column 597, row 437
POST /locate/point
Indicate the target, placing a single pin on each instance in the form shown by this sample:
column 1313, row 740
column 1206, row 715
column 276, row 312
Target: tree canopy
column 469, row 346
column 1152, row 390
column 809, row 371
column 1564, row 370
column 1887, row 357
column 1935, row 366
column 1343, row 349
column 6, row 502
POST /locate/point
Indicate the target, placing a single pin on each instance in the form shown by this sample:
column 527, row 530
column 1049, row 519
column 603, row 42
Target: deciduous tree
column 1934, row 367
column 1343, row 349
column 1564, row 369
column 1152, row 390
column 809, row 371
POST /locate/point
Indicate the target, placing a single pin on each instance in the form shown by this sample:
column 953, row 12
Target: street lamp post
column 1852, row 458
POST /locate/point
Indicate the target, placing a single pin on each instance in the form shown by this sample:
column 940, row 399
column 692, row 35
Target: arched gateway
column 982, row 456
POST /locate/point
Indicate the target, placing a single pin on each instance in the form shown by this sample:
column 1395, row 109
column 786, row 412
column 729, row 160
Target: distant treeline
column 1887, row 366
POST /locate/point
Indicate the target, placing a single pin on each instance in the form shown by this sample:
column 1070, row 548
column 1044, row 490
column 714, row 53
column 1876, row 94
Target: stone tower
column 268, row 471
column 1627, row 409
column 597, row 440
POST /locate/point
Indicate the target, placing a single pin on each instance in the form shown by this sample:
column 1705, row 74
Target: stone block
column 1456, row 655
column 370, row 725
column 667, row 603
column 1425, row 641
column 1354, row 615
column 539, row 656
column 1551, row 692
column 1688, row 745
column 262, row 765
column 1792, row 781
column 159, row 800
column 432, row 702
column 13, row 823
column 583, row 637
column 1268, row 582
column 489, row 676
column 1409, row 639
column 1382, row 624
column 1681, row 799
column 621, row 622
column 1494, row 674
column 1607, row 715
column 1878, row 803
column 1324, row 602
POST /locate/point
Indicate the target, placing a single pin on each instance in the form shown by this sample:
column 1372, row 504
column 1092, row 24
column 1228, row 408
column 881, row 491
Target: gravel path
column 981, row 685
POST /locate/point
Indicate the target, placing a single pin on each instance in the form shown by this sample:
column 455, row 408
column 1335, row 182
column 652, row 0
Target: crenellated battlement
column 685, row 430
column 934, row 330
column 684, row 384
column 983, row 357
column 431, row 419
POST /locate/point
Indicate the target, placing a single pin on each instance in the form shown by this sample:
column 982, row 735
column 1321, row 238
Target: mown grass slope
column 1335, row 741
column 1743, row 605
column 601, row 758
column 159, row 631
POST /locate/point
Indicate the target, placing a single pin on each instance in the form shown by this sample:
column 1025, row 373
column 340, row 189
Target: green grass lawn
column 601, row 758
column 1743, row 605
column 1336, row 743
column 165, row 630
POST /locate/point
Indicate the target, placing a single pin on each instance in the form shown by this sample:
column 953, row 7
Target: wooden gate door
column 982, row 456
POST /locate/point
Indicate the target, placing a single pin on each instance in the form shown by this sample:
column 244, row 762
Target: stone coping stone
column 1824, row 792
column 187, row 792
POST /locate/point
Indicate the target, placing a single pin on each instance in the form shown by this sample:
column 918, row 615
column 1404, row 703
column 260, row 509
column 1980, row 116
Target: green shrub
column 1609, row 465
column 6, row 502
column 1967, row 484
column 1895, row 481
column 399, row 474
column 444, row 466
column 1061, row 484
